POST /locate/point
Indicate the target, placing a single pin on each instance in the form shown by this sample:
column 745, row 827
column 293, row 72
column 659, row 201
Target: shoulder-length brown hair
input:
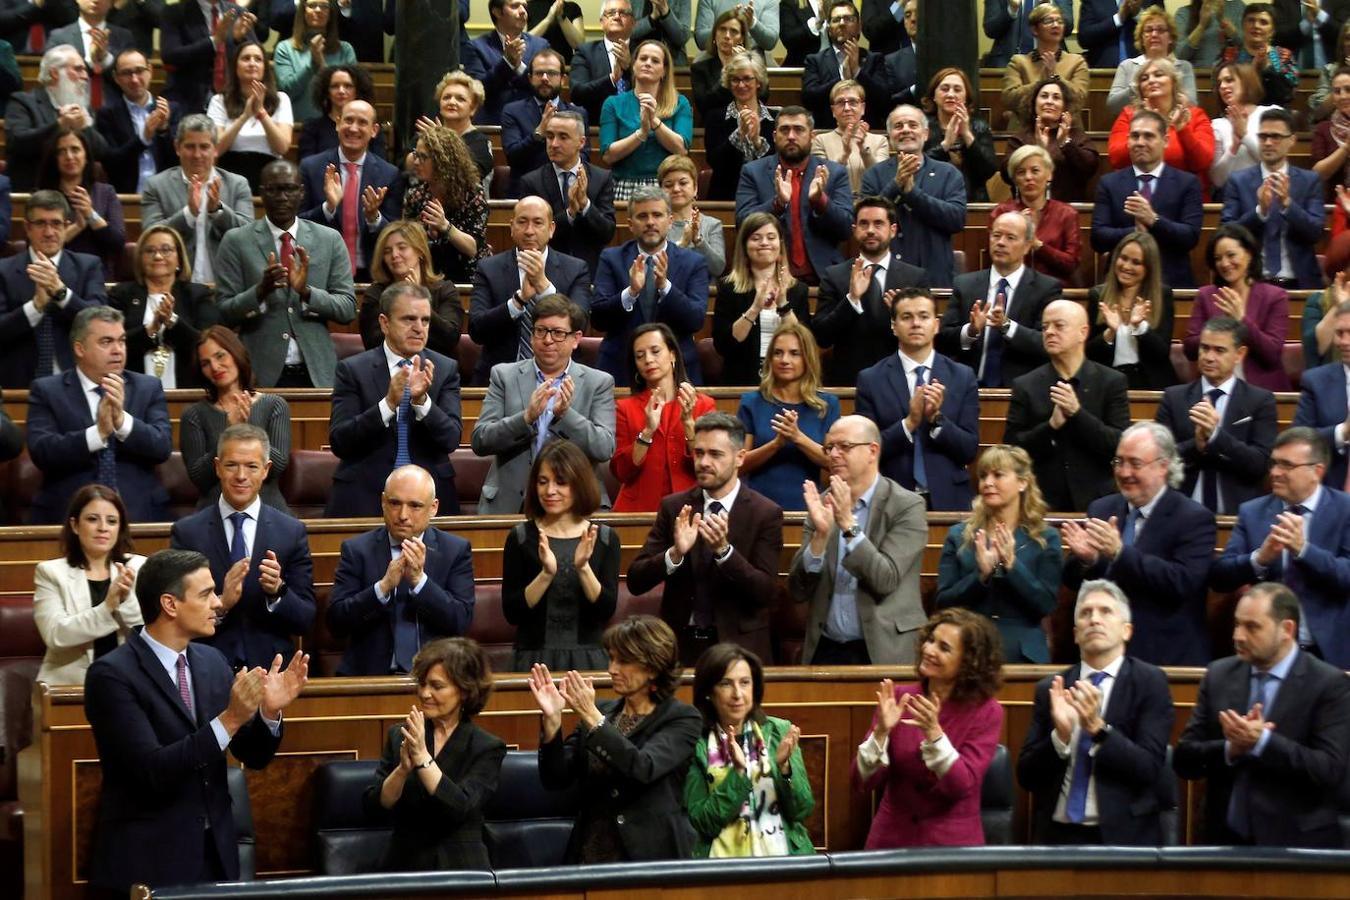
column 1253, row 91
column 331, row 38
column 1031, row 505
column 1151, row 288
column 648, row 642
column 234, row 96
column 184, row 272
column 49, row 169
column 981, row 672
column 414, row 234
column 467, row 666
column 570, row 467
column 712, row 666
column 1071, row 99
column 740, row 277
column 928, row 103
column 230, row 343
column 122, row 548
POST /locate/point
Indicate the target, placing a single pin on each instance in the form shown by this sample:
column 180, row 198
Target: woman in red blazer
column 1057, row 250
column 654, row 426
column 931, row 743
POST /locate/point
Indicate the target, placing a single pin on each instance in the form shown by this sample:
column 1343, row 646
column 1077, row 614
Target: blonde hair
column 667, row 98
column 1031, row 505
column 414, row 234
column 1155, row 12
column 468, row 82
column 810, row 383
column 1024, row 152
column 1166, row 66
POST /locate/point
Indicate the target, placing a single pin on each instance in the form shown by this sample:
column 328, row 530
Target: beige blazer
column 1022, row 75
column 69, row 624
column 829, row 145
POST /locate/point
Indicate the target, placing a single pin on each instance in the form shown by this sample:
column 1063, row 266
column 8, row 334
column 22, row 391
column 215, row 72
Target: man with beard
column 715, row 548
column 60, row 100
column 525, row 121
column 138, row 126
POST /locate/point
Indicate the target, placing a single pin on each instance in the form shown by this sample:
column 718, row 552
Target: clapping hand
column 547, row 561
column 687, row 525
column 986, row 556
column 923, row 715
column 281, row 688
column 713, row 530
column 817, row 187
column 371, row 199
column 332, row 186
column 1231, row 303
column 687, row 395
column 123, row 577
column 585, row 547
column 1065, row 400
column 1063, row 714
column 1205, row 417
column 234, row 585
column 269, row 574
column 414, row 731
column 1243, row 732
column 298, row 276
column 580, row 694
column 576, row 194
column 889, row 710
column 547, row 696
column 785, row 426
column 783, row 756
column 906, row 169
column 1079, row 542
column 732, row 749
column 274, row 277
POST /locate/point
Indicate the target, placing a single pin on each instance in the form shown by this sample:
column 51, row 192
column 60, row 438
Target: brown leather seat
column 183, row 494
column 470, row 472
column 346, row 344
column 588, row 351
column 709, row 360
column 468, row 358
column 24, row 481
column 308, row 480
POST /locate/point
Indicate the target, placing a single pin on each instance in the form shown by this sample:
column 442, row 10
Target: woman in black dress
column 332, row 89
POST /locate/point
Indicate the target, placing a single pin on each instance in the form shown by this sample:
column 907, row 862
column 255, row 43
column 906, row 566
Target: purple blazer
column 918, row 809
column 1267, row 321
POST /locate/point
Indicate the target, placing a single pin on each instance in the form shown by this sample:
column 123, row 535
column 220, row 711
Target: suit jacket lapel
column 219, row 543
column 149, row 663
column 75, row 391
column 895, row 373
column 1122, row 695
column 262, row 233
column 77, row 591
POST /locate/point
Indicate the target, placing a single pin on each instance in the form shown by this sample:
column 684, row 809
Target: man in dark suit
column 24, row 25
column 1324, row 400
column 32, row 118
column 401, row 585
column 1162, row 200
column 929, row 196
column 885, row 24
column 1094, row 757
column 715, row 548
column 649, row 279
column 138, row 126
column 41, row 290
column 602, row 68
column 259, row 555
column 192, row 47
column 1269, row 733
column 841, row 61
column 394, row 405
column 1298, row 534
column 502, row 57
column 524, row 121
column 1153, row 541
column 853, row 315
column 1311, row 34
column 583, row 217
column 991, row 323
column 1005, row 23
column 1224, row 427
column 507, row 286
column 926, row 405
column 356, row 209
column 141, row 18
column 1281, row 205
column 808, row 195
column 1106, row 31
column 163, row 709
column 1069, row 413
column 98, row 423
column 892, row 77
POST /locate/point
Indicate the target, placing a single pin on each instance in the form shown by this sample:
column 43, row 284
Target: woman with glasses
column 641, row 127
column 402, row 254
column 850, row 144
column 1131, row 315
column 446, row 195
column 253, row 119
column 1155, row 33
column 1048, row 60
column 314, row 45
column 741, row 131
column 956, row 134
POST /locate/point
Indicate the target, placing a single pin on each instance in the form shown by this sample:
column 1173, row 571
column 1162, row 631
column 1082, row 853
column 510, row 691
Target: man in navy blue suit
column 163, row 709
column 649, row 279
column 40, row 293
column 1106, row 30
column 395, row 404
column 583, row 218
column 1324, row 400
column 603, row 67
column 501, row 59
column 507, row 286
column 139, row 127
column 1299, row 535
column 926, row 405
column 1281, row 205
column 99, row 423
column 810, row 196
column 1162, row 200
column 355, row 209
column 1153, row 541
column 259, row 555
column 402, row 584
column 525, row 121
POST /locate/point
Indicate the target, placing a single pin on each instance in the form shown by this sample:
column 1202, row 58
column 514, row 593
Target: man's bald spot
column 532, row 205
column 860, row 426
column 412, row 478
column 358, row 105
column 1017, row 217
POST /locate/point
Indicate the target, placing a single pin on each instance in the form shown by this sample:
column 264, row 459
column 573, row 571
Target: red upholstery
column 307, row 482
column 347, row 344
column 468, row 358
column 1291, row 357
column 500, row 186
column 470, row 472
column 709, row 360
column 588, row 351
column 183, row 494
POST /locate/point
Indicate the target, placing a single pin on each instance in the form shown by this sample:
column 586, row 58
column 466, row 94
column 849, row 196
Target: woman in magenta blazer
column 931, row 743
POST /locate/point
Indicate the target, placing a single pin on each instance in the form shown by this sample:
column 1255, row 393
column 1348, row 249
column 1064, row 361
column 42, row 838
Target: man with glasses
column 32, row 118
column 525, row 122
column 1069, row 413
column 1281, row 205
column 139, row 127
column 580, row 193
column 502, row 57
column 841, row 61
column 603, row 68
column 1155, row 543
column 1298, row 535
column 1324, row 400
column 858, row 566
column 549, row 396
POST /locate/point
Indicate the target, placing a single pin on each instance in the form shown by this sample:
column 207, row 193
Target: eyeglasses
column 1280, row 465
column 1052, row 21
column 159, row 251
column 842, row 20
column 843, row 446
column 547, row 73
column 551, row 334
column 1133, row 465
column 133, row 73
column 846, row 102
column 743, row 79
column 617, row 14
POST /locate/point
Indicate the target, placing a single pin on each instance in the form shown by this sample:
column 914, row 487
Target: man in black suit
column 507, row 285
column 893, row 75
column 882, row 22
column 21, row 21
column 1069, row 413
column 1153, row 541
column 1270, row 733
column 141, row 18
column 840, row 61
column 583, row 217
column 524, row 121
column 163, row 709
column 1094, row 758
column 603, row 68
column 990, row 323
column 193, row 48
column 394, row 405
column 60, row 100
column 139, row 127
column 715, row 548
column 1224, row 427
column 259, row 556
column 853, row 314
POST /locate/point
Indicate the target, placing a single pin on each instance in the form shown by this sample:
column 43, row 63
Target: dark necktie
column 1131, row 526
column 1239, row 809
column 993, row 342
column 1272, row 237
column 703, row 597
column 218, row 64
column 1293, row 578
column 401, row 455
column 406, row 632
column 106, row 473
column 46, row 342
column 647, row 299
column 1209, row 489
column 1146, row 187
column 566, row 188
column 1075, row 810
column 184, row 692
column 238, row 549
column 920, row 468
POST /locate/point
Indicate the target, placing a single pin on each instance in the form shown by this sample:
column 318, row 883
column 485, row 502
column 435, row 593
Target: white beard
column 67, row 91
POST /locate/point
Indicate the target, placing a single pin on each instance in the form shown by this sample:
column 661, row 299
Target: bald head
column 854, row 452
column 1064, row 329
column 531, row 223
column 356, row 129
column 409, row 502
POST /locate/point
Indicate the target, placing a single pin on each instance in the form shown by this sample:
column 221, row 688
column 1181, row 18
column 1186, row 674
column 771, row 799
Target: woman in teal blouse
column 642, row 126
column 314, row 44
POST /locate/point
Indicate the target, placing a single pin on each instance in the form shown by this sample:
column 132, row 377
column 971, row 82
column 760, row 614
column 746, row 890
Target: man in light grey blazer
column 280, row 281
column 858, row 565
column 533, row 401
column 196, row 199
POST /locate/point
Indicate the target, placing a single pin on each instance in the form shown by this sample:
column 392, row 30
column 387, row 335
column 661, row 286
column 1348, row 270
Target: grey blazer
column 69, row 625
column 165, row 200
column 712, row 245
column 266, row 326
column 503, row 433
column 886, row 565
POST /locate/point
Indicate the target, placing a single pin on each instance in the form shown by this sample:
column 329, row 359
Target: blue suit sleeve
column 450, row 606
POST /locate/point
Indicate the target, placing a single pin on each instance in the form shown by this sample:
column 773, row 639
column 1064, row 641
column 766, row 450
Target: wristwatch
column 1102, row 734
column 427, row 764
column 851, row 533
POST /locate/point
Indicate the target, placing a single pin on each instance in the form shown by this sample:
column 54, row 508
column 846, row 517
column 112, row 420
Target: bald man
column 508, row 285
column 401, row 585
column 1069, row 413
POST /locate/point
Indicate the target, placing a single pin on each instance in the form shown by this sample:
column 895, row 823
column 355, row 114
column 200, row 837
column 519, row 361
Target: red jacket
column 668, row 467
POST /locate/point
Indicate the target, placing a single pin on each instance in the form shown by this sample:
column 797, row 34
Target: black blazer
column 1294, row 785
column 725, row 158
column 185, row 46
column 589, row 77
column 30, row 121
column 1155, row 371
column 121, row 161
column 1129, row 768
column 820, row 74
column 796, row 37
column 889, row 81
column 520, row 566
column 640, row 782
column 442, row 830
column 859, row 341
column 1073, row 464
column 196, row 310
column 17, row 16
column 740, row 359
column 1236, row 454
column 1024, row 350
column 141, row 18
column 590, row 233
column 82, row 274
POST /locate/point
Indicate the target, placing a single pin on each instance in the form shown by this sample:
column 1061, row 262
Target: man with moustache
column 603, row 68
column 32, row 118
column 715, row 548
column 580, row 194
column 96, row 40
column 138, row 126
column 524, row 121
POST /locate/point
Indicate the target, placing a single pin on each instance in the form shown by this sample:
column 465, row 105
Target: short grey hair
column 195, row 123
column 398, row 289
column 742, row 61
column 648, row 194
column 1167, row 449
column 1103, row 586
column 80, row 327
column 55, row 57
column 243, row 433
column 576, row 118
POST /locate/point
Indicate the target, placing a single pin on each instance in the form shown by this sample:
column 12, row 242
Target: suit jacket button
column 619, row 819
column 285, row 336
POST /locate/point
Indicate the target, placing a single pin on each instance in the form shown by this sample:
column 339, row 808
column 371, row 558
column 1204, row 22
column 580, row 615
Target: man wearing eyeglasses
column 841, row 61
column 603, row 68
column 549, row 396
column 525, row 122
column 139, row 127
column 1155, row 543
column 1298, row 535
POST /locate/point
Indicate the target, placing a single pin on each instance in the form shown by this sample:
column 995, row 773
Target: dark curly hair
column 361, row 82
column 648, row 642
column 981, row 672
column 712, row 667
column 1071, row 99
column 466, row 665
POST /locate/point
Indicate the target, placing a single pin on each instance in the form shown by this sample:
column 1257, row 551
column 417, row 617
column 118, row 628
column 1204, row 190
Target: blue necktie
column 1273, row 237
column 546, row 417
column 107, row 457
column 1124, row 40
column 566, row 188
column 920, row 468
column 1131, row 525
column 237, row 549
column 406, row 632
column 647, row 300
column 993, row 342
column 1076, row 807
column 401, row 457
column 1209, row 489
column 1239, row 809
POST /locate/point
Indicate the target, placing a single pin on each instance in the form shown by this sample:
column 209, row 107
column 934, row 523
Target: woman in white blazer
column 85, row 602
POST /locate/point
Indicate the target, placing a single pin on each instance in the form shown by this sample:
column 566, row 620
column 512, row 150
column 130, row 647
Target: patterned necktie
column 401, row 456
column 238, row 548
column 920, row 467
column 1209, row 490
column 107, row 457
column 218, row 65
column 1127, row 536
column 1076, row 807
column 46, row 342
column 1146, row 187
column 647, row 299
column 993, row 342
column 351, row 209
column 184, row 692
column 566, row 187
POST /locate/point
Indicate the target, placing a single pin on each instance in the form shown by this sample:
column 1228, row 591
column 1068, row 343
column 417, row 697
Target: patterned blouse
column 470, row 217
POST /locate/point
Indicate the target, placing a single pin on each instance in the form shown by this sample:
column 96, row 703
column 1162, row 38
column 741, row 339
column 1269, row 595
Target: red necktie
column 797, row 244
column 37, row 39
column 218, row 70
column 287, row 250
column 96, row 87
column 351, row 203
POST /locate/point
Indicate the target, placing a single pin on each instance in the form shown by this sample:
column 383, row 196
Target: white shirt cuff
column 939, row 756
column 871, row 755
column 671, row 565
column 30, row 312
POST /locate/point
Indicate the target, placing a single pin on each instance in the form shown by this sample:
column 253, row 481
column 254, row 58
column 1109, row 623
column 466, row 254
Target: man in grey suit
column 531, row 402
column 858, row 565
column 280, row 281
column 196, row 199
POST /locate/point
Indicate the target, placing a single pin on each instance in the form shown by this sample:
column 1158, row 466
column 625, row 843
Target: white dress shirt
column 1067, row 751
column 1221, row 407
column 169, row 379
column 92, row 439
column 202, row 270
